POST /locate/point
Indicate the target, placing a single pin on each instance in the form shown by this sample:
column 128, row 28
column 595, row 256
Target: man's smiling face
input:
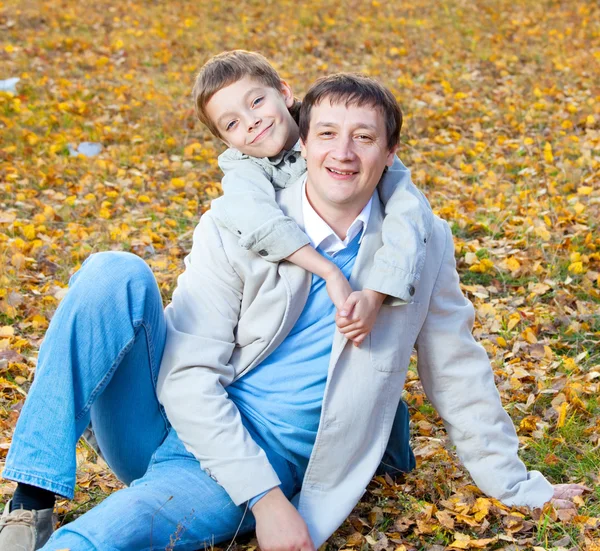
column 254, row 118
column 346, row 153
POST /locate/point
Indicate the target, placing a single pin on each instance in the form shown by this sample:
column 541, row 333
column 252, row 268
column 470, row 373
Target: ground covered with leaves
column 502, row 132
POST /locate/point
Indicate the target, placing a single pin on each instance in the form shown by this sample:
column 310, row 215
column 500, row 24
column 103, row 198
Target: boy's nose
column 253, row 123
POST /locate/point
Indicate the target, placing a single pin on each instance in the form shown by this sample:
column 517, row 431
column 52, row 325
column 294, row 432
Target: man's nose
column 343, row 150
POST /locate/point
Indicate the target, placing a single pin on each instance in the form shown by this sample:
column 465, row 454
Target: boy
column 243, row 102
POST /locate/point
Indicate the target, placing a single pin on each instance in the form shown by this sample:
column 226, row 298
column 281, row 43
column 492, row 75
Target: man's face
column 346, row 152
column 254, row 118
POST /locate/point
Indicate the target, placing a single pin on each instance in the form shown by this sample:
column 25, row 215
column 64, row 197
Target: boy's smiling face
column 254, row 118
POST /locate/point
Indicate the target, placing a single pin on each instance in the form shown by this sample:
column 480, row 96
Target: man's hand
column 562, row 500
column 338, row 288
column 361, row 310
column 279, row 527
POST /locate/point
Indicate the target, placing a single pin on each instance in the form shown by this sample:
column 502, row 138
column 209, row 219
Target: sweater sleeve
column 406, row 228
column 459, row 382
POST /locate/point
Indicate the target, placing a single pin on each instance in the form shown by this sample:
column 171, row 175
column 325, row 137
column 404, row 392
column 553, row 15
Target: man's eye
column 257, row 101
column 364, row 138
column 326, row 134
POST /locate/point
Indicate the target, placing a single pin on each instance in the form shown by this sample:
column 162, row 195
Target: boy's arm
column 458, row 380
column 248, row 209
column 406, row 228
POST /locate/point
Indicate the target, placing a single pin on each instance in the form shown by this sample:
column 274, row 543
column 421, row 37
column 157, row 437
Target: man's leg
column 398, row 457
column 99, row 359
column 175, row 505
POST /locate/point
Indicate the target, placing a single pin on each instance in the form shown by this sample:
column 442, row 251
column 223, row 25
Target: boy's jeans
column 99, row 361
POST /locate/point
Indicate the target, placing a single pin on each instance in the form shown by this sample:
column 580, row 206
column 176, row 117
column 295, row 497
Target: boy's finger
column 356, row 326
column 349, row 305
column 353, row 334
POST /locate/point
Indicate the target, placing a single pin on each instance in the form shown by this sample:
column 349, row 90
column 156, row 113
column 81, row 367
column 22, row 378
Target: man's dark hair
column 356, row 90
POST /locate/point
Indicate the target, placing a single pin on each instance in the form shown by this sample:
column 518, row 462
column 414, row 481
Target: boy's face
column 346, row 153
column 254, row 118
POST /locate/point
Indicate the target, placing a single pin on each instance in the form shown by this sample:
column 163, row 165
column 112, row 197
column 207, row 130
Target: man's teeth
column 341, row 172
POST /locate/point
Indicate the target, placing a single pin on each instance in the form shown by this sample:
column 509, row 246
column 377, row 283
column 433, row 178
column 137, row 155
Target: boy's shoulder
column 232, row 159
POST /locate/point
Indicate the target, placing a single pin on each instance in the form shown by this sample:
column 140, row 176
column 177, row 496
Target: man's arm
column 459, row 382
column 195, row 370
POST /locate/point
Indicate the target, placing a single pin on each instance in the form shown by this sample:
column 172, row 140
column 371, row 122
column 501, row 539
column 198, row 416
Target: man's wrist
column 269, row 499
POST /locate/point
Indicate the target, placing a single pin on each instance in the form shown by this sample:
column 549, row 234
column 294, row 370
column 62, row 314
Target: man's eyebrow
column 358, row 126
column 229, row 114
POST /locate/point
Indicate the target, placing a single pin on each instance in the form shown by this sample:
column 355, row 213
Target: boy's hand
column 361, row 311
column 338, row 288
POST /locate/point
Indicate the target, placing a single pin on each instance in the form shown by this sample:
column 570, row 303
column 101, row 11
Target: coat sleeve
column 195, row 370
column 249, row 210
column 459, row 382
column 406, row 228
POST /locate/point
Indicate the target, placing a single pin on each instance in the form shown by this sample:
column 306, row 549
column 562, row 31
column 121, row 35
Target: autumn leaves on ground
column 502, row 132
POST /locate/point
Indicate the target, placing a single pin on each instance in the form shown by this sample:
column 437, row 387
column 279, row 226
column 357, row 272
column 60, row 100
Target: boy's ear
column 391, row 155
column 286, row 92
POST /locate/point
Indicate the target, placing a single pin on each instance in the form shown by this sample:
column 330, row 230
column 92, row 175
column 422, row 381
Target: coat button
column 262, row 252
column 292, row 160
column 411, row 290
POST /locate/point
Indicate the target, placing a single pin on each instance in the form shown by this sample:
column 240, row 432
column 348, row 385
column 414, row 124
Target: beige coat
column 231, row 309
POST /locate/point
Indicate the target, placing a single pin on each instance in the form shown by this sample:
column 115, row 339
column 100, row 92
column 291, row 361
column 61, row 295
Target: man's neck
column 339, row 220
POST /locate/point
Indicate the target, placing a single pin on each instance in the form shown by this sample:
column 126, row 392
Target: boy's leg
column 398, row 457
column 176, row 505
column 100, row 358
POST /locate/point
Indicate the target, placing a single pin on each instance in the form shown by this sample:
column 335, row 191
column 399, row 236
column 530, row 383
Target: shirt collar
column 321, row 234
column 275, row 160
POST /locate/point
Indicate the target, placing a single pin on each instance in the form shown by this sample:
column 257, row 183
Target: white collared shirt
column 321, row 235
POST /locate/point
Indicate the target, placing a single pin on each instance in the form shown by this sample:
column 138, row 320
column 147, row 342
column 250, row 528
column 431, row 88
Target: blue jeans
column 99, row 361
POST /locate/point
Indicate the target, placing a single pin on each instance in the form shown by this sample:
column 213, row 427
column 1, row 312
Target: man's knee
column 116, row 267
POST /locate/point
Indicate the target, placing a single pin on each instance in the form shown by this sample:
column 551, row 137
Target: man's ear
column 390, row 158
column 302, row 148
column 286, row 92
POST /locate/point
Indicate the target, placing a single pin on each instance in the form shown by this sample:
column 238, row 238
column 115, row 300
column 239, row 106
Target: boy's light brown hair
column 225, row 69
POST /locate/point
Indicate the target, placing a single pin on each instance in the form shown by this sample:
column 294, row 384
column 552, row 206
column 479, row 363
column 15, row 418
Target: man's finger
column 569, row 491
column 562, row 503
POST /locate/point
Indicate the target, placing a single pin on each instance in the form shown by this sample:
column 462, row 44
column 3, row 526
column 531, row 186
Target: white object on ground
column 9, row 85
column 88, row 149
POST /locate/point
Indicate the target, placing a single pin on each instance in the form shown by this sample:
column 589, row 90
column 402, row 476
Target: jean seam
column 102, row 383
column 155, row 369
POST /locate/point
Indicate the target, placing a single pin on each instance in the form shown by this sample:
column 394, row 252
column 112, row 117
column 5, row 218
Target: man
column 259, row 386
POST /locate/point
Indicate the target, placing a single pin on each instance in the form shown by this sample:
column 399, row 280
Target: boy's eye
column 257, row 101
column 230, row 125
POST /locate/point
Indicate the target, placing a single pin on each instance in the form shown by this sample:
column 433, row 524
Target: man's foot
column 22, row 530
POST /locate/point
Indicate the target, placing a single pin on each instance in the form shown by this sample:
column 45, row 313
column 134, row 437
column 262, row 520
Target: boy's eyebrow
column 229, row 114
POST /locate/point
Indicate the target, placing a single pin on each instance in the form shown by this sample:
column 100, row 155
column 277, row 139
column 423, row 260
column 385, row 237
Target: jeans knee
column 116, row 268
